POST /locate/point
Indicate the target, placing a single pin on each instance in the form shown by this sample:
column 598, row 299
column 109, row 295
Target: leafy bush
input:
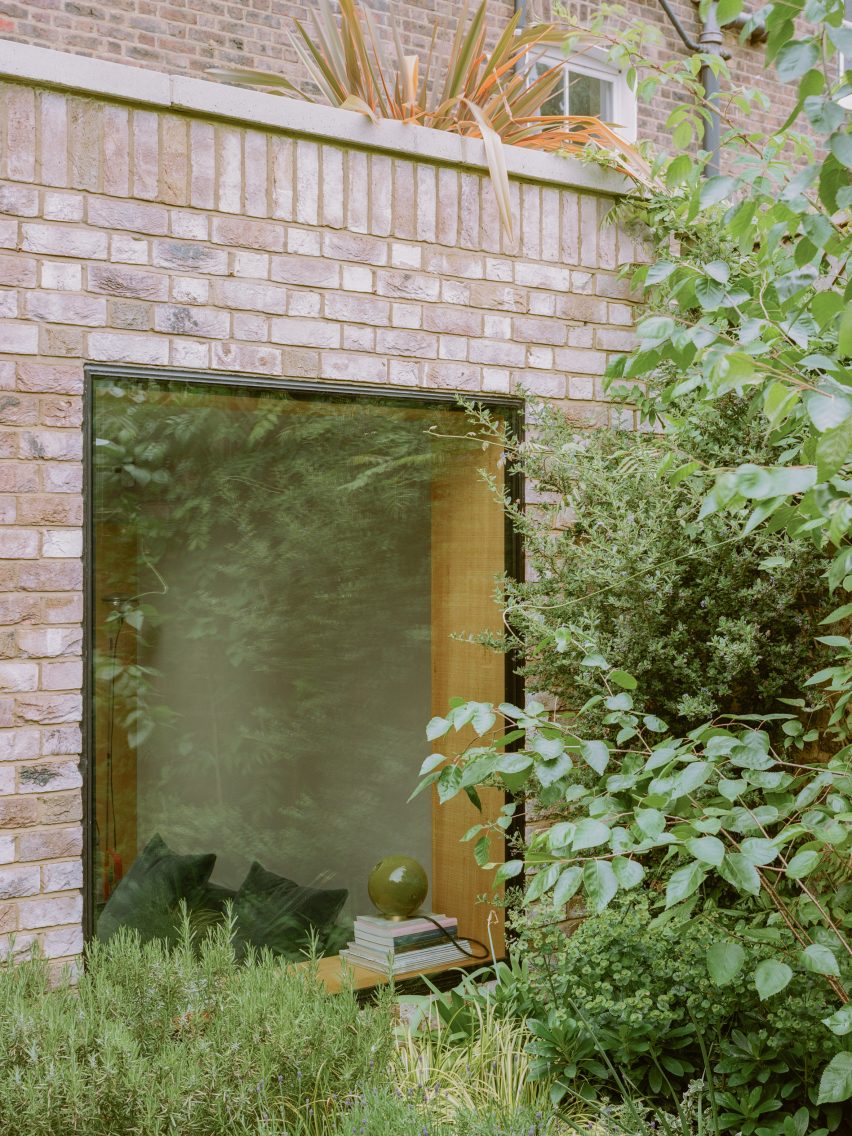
column 154, row 1042
column 630, row 992
column 389, row 1114
column 706, row 620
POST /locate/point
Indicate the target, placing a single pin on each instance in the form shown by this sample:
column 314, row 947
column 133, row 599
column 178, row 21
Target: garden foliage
column 742, row 823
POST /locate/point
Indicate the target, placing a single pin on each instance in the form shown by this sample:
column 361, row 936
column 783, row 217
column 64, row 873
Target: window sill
column 330, row 971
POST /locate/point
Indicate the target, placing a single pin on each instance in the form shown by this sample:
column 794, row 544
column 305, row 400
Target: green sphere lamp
column 398, row 885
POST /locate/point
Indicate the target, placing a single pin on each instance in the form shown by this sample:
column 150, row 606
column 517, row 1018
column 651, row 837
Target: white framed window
column 591, row 86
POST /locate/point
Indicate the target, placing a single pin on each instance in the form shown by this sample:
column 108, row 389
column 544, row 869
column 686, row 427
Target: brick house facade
column 189, row 38
column 165, row 221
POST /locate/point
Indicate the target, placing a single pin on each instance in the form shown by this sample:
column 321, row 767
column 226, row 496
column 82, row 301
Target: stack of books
column 398, row 946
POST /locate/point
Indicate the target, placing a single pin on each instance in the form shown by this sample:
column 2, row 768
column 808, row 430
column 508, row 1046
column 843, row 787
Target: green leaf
column 840, row 1022
column 836, row 1082
column 725, row 960
column 770, row 977
column 480, row 851
column 683, row 883
column 691, row 778
column 716, row 189
column 623, row 679
column 740, row 873
column 707, row 849
column 828, row 410
column 820, row 960
column 718, row 270
column 567, row 885
column 840, row 145
column 803, row 863
column 656, row 328
column 795, row 58
column 759, row 851
column 654, row 724
column 589, row 833
column 629, row 873
column 508, row 871
column 651, row 822
column 844, row 332
column 599, row 884
column 595, row 754
column 437, row 728
column 834, row 449
column 432, row 762
column 709, row 293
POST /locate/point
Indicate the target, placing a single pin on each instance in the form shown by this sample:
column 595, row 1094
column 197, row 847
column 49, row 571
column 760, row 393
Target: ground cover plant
column 718, row 825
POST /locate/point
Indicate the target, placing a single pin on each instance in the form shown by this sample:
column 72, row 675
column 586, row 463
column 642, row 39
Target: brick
column 189, row 226
column 452, row 376
column 307, row 183
column 304, row 332
column 110, row 347
column 253, row 264
column 312, row 273
column 8, row 303
column 581, row 307
column 332, row 195
column 59, row 543
column 68, row 307
column 381, row 187
column 186, row 353
column 64, row 277
column 18, row 271
column 18, row 410
column 53, row 112
column 52, row 776
column 61, row 609
column 57, row 411
column 423, row 345
column 344, row 366
column 46, row 642
column 240, row 231
column 358, row 191
column 60, row 740
column 60, row 808
column 20, row 132
column 407, row 285
column 58, row 445
column 19, row 744
column 205, row 322
column 304, row 242
column 357, row 278
column 135, row 216
column 7, row 855
column 19, row 544
column 49, row 912
column 18, row 947
column 187, row 257
column 64, row 240
column 500, row 352
column 18, row 812
column 406, row 315
column 358, row 309
column 249, row 325
column 18, row 338
column 251, row 297
column 360, row 248
column 190, row 290
column 532, row 330
column 542, row 276
column 129, row 250
column 238, row 357
column 406, row 256
column 282, row 162
column 65, row 675
column 63, row 876
column 146, row 154
column 116, row 143
column 8, row 233
column 614, row 339
column 49, row 708
column 50, row 378
column 426, row 189
column 63, row 942
column 581, row 361
column 17, row 609
column 19, row 881
column 456, row 321
column 19, row 200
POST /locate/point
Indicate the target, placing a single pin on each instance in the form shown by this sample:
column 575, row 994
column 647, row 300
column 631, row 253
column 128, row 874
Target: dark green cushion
column 148, row 898
column 274, row 912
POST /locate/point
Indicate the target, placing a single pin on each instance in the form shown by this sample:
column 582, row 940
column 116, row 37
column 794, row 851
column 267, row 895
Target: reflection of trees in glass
column 284, row 544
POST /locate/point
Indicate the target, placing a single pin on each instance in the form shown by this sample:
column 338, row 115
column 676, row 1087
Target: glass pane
column 264, row 571
column 555, row 104
column 588, row 95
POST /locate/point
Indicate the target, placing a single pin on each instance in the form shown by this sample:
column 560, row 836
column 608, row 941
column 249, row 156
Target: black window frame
column 512, row 407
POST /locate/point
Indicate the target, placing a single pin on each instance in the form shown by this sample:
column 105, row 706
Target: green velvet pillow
column 274, row 912
column 148, row 898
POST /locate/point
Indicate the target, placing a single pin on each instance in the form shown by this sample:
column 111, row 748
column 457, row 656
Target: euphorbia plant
column 494, row 95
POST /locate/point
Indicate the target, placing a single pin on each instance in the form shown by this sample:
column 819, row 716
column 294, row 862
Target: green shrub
column 706, row 621
column 391, row 1114
column 153, row 1041
column 631, row 993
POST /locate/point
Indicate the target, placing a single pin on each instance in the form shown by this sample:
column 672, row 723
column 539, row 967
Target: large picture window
column 281, row 581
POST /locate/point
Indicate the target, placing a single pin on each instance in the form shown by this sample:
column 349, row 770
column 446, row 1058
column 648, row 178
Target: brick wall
column 190, row 37
column 133, row 235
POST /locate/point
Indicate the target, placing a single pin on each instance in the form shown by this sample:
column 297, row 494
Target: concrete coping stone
column 43, row 66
